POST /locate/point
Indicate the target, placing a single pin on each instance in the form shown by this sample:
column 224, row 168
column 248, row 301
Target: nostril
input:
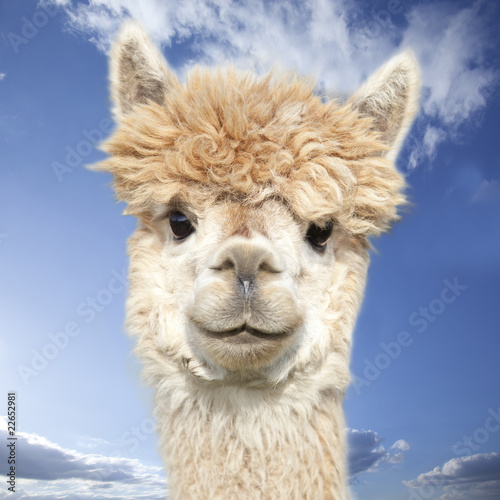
column 228, row 263
column 269, row 265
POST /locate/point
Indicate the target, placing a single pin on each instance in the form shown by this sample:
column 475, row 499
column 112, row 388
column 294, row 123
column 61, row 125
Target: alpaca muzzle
column 245, row 309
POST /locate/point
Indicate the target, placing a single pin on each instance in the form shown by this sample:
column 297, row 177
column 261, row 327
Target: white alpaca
column 255, row 200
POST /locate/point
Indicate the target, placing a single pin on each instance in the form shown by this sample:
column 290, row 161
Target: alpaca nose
column 247, row 258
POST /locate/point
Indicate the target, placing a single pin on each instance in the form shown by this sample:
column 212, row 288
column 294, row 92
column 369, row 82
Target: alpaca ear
column 390, row 97
column 138, row 71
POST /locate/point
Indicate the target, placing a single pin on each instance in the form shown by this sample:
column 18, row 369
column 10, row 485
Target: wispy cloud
column 367, row 454
column 475, row 476
column 452, row 47
column 488, row 191
column 91, row 443
column 427, row 146
column 2, row 76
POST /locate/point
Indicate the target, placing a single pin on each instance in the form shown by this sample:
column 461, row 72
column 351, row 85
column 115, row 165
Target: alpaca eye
column 318, row 236
column 181, row 226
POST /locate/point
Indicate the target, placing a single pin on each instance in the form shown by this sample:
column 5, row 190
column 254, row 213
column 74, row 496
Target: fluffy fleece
column 228, row 132
column 253, row 163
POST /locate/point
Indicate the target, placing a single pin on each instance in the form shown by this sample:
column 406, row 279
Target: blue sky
column 424, row 410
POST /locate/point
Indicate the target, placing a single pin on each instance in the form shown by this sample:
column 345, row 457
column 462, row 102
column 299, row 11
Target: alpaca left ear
column 390, row 97
column 138, row 71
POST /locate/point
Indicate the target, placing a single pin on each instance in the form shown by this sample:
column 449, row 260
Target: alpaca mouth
column 245, row 334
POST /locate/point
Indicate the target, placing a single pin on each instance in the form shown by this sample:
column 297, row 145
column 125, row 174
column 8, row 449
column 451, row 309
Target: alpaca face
column 233, row 290
column 255, row 201
column 256, row 276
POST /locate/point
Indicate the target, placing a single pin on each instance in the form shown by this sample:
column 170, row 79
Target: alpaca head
column 255, row 199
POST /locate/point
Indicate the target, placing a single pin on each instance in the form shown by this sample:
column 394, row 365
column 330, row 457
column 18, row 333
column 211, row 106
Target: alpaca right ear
column 138, row 71
column 390, row 97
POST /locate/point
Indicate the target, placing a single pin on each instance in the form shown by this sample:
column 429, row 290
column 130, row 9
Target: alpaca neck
column 238, row 442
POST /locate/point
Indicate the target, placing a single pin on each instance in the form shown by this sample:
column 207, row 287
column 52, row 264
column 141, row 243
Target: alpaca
column 255, row 200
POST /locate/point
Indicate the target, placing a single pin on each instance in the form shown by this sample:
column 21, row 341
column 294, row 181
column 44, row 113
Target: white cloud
column 488, row 191
column 77, row 491
column 2, row 76
column 396, row 453
column 426, row 147
column 451, row 46
column 51, row 470
column 90, row 442
column 476, row 476
column 366, row 453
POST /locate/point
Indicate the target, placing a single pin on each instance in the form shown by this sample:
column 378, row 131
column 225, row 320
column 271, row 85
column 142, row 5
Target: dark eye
column 318, row 236
column 181, row 226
